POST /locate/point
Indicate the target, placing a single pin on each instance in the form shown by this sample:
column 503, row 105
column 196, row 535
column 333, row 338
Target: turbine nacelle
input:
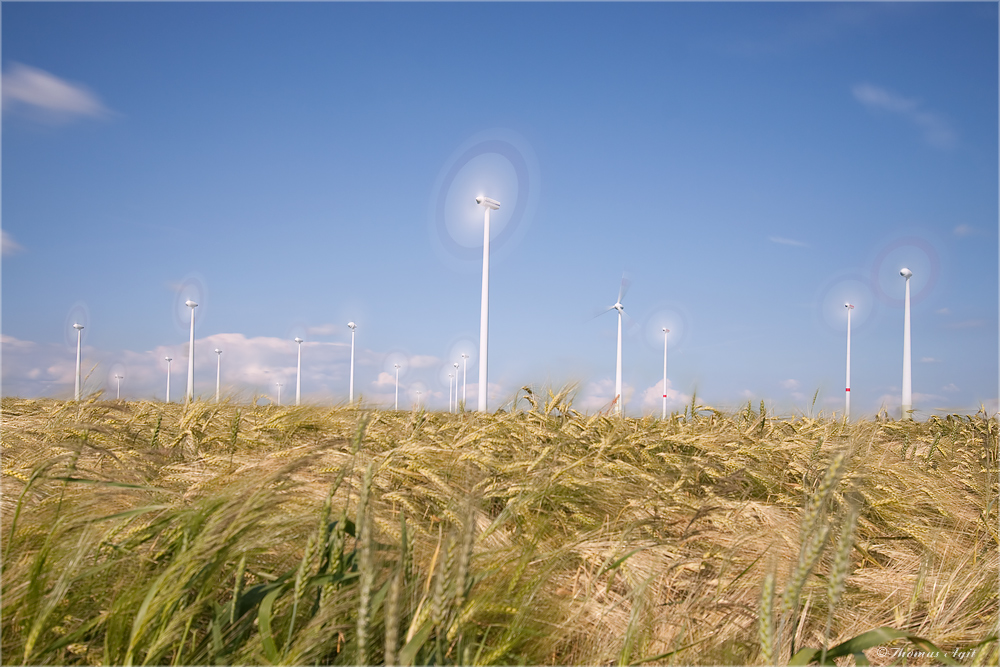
column 906, row 273
column 491, row 204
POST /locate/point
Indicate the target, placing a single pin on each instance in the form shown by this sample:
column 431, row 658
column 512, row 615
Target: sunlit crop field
column 150, row 533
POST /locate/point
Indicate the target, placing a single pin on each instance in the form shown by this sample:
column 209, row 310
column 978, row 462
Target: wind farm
column 736, row 470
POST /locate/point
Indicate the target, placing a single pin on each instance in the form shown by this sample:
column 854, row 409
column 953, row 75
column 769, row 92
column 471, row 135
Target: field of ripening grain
column 150, row 533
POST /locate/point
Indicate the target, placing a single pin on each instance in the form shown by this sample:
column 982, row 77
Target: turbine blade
column 599, row 313
column 626, row 283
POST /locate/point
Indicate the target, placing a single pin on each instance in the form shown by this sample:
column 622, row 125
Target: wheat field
column 149, row 533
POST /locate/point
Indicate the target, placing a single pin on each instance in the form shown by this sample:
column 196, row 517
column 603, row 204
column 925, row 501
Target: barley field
column 149, row 533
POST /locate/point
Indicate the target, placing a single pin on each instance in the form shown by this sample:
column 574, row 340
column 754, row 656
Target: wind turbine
column 618, row 368
column 190, row 385
column 484, row 315
column 847, row 393
column 279, row 392
column 79, row 337
column 298, row 373
column 665, row 332
column 397, row 387
column 465, row 384
column 451, row 376
column 119, row 378
column 352, row 326
column 456, row 385
column 168, row 359
column 907, row 407
column 218, row 373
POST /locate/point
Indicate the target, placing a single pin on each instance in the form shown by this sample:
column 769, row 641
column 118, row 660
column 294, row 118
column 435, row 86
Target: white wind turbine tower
column 484, row 316
column 279, row 392
column 168, row 360
column 618, row 368
column 665, row 332
column 190, row 385
column 847, row 393
column 907, row 407
column 465, row 383
column 298, row 373
column 119, row 378
column 79, row 337
column 397, row 387
column 352, row 326
column 451, row 377
column 456, row 386
column 218, row 373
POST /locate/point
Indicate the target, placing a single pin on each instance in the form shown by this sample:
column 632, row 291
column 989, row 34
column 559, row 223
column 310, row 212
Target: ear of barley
column 765, row 626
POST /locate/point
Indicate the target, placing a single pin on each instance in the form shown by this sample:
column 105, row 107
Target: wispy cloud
column 950, row 388
column 966, row 324
column 8, row 246
column 44, row 96
column 929, row 360
column 943, row 311
column 790, row 384
column 936, row 130
column 784, row 241
column 965, row 230
column 328, row 329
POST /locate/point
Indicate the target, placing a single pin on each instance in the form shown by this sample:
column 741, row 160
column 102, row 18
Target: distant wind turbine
column 218, row 373
column 119, row 378
column 298, row 373
column 451, row 377
column 352, row 326
column 190, row 385
column 847, row 393
column 465, row 384
column 279, row 392
column 618, row 368
column 168, row 359
column 79, row 337
column 397, row 387
column 665, row 332
column 907, row 407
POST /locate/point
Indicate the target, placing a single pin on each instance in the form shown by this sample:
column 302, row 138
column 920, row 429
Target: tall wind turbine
column 456, row 386
column 907, row 407
column 190, row 388
column 218, row 373
column 847, row 393
column 79, row 337
column 484, row 315
column 618, row 368
column 168, row 360
column 353, row 326
column 665, row 332
column 451, row 377
column 298, row 373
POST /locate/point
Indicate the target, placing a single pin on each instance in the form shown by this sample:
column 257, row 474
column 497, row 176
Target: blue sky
column 294, row 167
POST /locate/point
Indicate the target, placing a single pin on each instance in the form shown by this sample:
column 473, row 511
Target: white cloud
column 598, row 396
column 964, row 230
column 48, row 97
column 424, row 361
column 950, row 388
column 784, row 241
column 8, row 244
column 936, row 131
column 652, row 398
column 943, row 311
column 790, row 384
